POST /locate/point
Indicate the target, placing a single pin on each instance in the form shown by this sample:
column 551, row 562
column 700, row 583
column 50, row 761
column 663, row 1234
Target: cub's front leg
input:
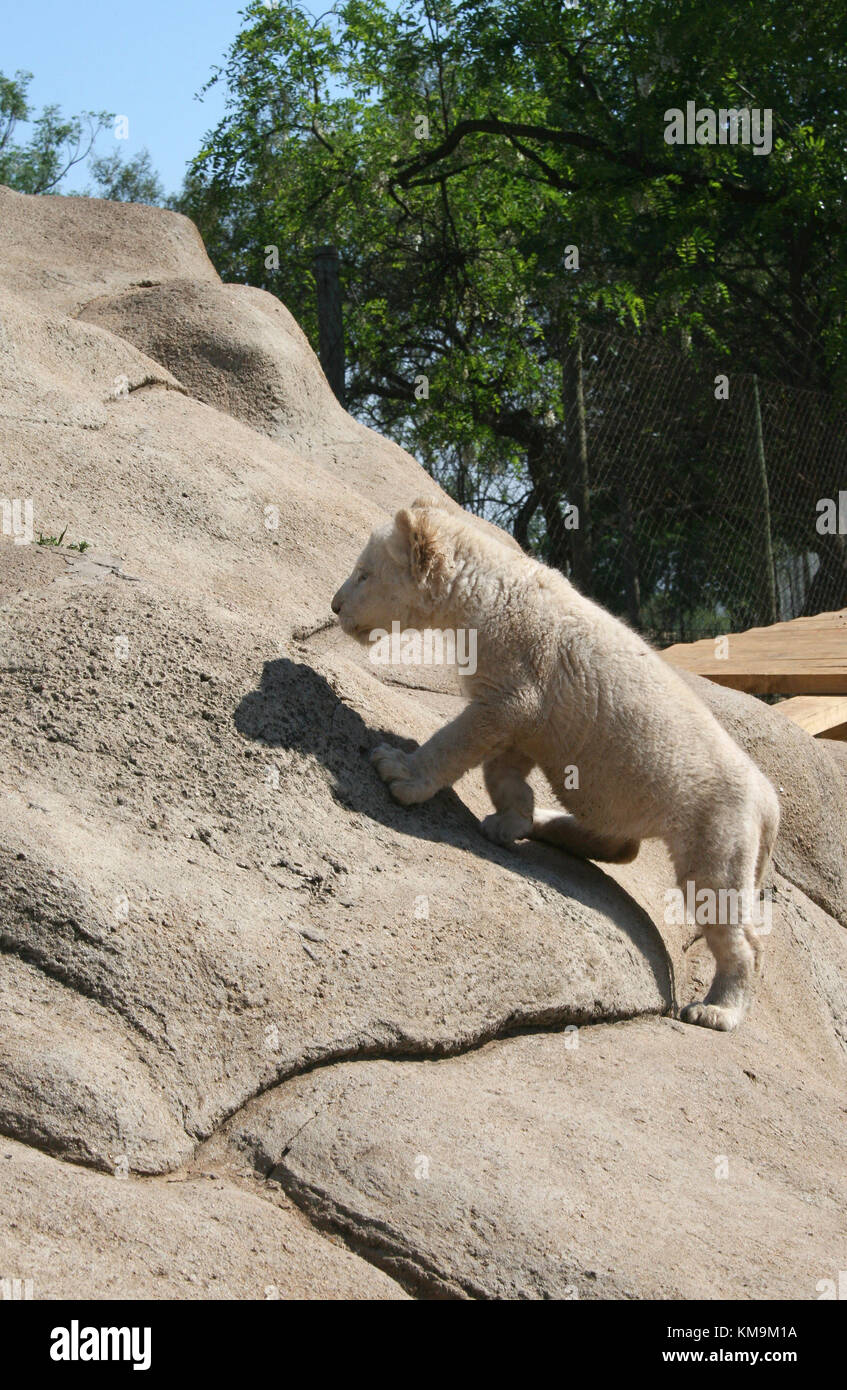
column 505, row 778
column 442, row 760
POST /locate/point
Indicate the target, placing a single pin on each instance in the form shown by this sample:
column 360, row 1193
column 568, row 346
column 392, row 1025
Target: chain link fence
column 696, row 489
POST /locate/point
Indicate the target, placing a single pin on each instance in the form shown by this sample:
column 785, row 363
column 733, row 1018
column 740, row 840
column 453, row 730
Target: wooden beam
column 817, row 714
column 807, row 656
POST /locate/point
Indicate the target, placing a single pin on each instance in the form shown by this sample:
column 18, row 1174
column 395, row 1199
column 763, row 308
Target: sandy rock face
column 193, row 1235
column 206, row 890
column 60, row 253
column 238, row 349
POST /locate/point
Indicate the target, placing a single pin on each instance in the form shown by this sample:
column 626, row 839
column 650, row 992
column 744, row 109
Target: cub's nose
column 336, row 603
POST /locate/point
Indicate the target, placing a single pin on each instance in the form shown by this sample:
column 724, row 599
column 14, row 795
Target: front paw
column 397, row 769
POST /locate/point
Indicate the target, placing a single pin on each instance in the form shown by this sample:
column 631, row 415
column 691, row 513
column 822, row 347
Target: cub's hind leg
column 505, row 778
column 727, row 915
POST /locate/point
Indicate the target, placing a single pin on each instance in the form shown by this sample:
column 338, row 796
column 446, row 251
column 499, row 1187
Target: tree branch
column 579, row 140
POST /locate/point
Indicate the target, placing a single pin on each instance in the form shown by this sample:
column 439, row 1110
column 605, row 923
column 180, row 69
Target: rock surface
column 215, row 923
column 198, row 1235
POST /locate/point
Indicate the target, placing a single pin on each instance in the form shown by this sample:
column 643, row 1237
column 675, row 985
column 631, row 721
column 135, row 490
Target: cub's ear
column 417, row 540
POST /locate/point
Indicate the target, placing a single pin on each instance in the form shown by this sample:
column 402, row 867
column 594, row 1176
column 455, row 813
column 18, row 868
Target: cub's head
column 401, row 575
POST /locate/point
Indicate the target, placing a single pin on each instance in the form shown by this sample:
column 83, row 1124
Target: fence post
column 770, row 574
column 576, row 454
column 330, row 321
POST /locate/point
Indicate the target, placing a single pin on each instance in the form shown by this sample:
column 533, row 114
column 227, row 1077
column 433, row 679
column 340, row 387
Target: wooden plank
column 807, row 656
column 817, row 714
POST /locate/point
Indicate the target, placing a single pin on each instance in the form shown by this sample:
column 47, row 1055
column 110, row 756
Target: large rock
column 60, row 253
column 589, row 1165
column 238, row 349
column 613, row 1161
column 199, row 1234
column 206, row 889
column 168, row 814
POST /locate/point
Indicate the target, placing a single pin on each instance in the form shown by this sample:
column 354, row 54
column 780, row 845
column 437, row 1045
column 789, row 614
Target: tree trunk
column 828, row 589
column 521, row 523
column 559, row 550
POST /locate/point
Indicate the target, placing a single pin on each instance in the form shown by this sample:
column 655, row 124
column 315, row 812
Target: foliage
column 58, row 144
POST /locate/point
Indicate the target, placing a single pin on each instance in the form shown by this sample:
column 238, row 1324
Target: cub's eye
column 362, row 577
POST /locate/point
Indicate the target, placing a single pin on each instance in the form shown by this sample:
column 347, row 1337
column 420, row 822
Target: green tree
column 456, row 304
column 746, row 249
column 126, row 181
column 58, row 144
column 456, row 156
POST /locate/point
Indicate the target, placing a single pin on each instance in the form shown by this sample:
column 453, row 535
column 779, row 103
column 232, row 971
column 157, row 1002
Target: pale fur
column 562, row 683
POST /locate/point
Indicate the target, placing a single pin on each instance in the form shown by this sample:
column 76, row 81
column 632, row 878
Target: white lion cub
column 561, row 683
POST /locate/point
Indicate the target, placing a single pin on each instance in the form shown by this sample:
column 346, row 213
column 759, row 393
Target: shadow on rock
column 295, row 708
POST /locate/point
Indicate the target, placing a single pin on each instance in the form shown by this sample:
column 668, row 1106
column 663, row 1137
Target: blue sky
column 142, row 61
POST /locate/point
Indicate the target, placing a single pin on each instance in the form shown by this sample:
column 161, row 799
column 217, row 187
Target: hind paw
column 712, row 1016
column 504, row 827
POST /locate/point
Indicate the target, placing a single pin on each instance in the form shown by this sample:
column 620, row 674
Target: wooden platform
column 805, row 658
column 817, row 714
